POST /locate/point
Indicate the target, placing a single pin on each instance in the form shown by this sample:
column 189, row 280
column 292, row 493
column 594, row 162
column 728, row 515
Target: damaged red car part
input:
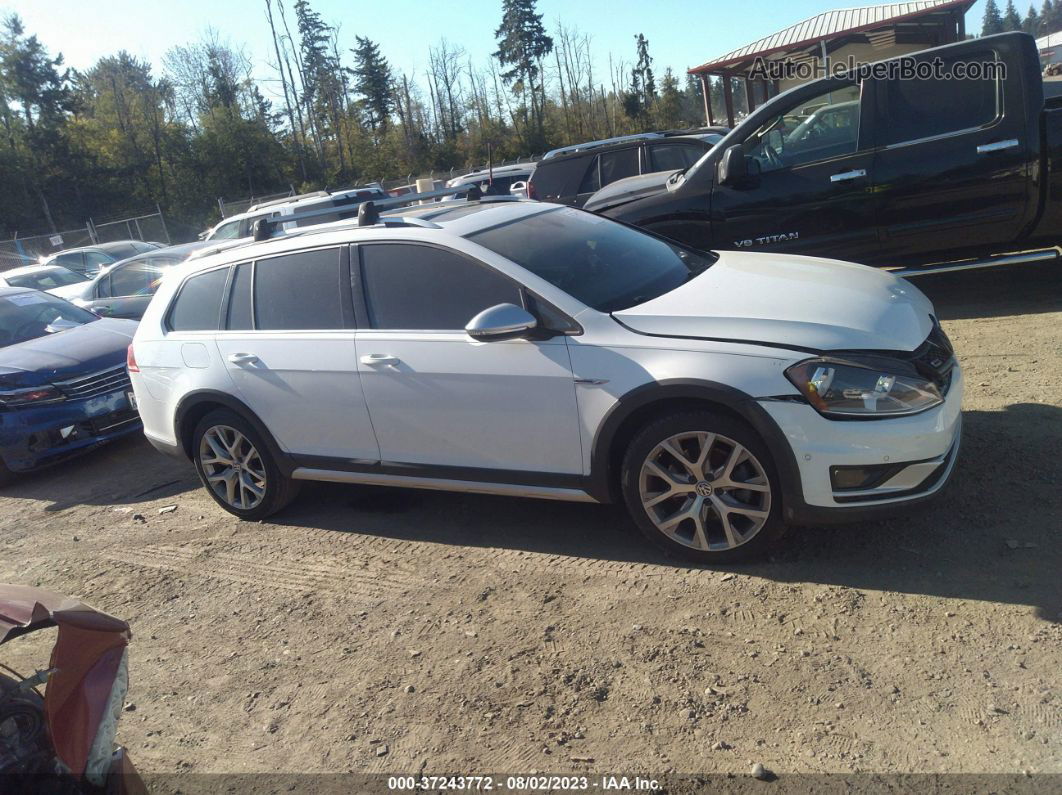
column 69, row 733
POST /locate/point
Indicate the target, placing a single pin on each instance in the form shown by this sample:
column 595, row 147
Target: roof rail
column 369, row 211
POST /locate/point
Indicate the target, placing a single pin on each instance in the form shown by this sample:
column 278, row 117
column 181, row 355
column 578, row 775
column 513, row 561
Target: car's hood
column 71, row 291
column 626, row 190
column 790, row 301
column 84, row 349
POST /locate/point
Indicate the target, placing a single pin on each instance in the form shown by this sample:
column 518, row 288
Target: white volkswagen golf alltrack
column 517, row 348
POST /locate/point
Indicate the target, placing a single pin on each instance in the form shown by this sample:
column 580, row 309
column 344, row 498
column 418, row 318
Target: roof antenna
column 368, row 215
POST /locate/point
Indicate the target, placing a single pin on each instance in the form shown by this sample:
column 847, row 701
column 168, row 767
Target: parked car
column 126, row 288
column 54, row 279
column 63, row 384
column 242, row 225
column 529, row 349
column 63, row 741
column 891, row 172
column 500, row 180
column 90, row 260
column 571, row 177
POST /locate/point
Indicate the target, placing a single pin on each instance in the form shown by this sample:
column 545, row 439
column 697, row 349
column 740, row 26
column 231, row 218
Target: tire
column 237, row 468
column 709, row 518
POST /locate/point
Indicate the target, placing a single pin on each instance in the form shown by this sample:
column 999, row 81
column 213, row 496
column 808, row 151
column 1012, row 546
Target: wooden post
column 750, row 99
column 728, row 99
column 706, row 95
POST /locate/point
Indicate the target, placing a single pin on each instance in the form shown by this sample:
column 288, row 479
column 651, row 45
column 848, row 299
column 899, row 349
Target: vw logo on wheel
column 704, row 488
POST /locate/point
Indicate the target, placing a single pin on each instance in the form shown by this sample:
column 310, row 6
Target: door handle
column 243, row 358
column 373, row 359
column 847, row 176
column 997, row 146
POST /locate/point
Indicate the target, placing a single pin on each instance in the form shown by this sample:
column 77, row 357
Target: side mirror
column 733, row 166
column 501, row 322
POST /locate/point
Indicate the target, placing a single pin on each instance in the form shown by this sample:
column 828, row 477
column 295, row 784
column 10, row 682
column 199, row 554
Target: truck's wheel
column 237, row 468
column 703, row 486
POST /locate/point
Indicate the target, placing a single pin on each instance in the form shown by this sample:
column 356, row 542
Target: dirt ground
column 369, row 629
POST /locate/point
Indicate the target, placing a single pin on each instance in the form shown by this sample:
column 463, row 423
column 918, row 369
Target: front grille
column 100, row 383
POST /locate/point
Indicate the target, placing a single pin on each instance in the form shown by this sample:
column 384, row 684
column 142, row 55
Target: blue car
column 64, row 388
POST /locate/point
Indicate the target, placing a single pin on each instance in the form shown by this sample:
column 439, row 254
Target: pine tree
column 522, row 43
column 667, row 110
column 1031, row 23
column 993, row 20
column 1011, row 20
column 374, row 82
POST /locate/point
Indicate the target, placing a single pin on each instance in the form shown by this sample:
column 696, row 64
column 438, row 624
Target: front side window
column 227, row 231
column 606, row 265
column 918, row 109
column 819, row 128
column 673, row 157
column 94, row 261
column 198, row 304
column 426, row 288
column 301, row 291
column 31, row 314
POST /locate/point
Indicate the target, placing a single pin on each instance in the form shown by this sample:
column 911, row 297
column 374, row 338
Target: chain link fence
column 29, row 250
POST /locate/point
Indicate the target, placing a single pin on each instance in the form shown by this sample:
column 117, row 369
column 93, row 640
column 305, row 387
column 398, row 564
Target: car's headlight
column 854, row 389
column 33, row 396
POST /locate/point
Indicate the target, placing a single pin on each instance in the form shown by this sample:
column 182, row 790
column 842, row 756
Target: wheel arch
column 643, row 404
column 196, row 405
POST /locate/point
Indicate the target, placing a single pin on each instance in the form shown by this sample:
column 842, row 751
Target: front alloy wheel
column 700, row 485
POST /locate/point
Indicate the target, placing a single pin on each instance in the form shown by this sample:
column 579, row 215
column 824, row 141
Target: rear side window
column 426, row 288
column 592, row 181
column 618, row 165
column 299, row 291
column 198, row 305
column 918, row 109
column 556, row 178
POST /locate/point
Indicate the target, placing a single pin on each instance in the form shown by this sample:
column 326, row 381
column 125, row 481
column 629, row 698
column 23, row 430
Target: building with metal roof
column 864, row 34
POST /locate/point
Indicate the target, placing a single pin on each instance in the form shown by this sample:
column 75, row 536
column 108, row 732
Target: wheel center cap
column 704, row 488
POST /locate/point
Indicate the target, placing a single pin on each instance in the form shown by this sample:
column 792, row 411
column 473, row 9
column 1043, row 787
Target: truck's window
column 819, row 128
column 916, row 109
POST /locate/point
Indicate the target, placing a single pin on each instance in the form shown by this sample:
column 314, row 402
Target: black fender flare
column 200, row 397
column 603, row 473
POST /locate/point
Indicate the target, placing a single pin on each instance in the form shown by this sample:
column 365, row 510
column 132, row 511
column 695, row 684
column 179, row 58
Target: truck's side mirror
column 733, row 167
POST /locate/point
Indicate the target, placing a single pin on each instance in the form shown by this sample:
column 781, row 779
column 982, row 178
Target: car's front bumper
column 36, row 436
column 923, row 448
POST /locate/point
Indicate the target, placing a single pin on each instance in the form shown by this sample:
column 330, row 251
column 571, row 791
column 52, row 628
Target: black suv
column 572, row 177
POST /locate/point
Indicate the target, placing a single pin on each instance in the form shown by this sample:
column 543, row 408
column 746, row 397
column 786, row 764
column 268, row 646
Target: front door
column 810, row 187
column 439, row 399
column 288, row 344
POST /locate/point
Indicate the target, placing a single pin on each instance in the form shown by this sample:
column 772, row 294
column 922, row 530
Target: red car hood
column 26, row 609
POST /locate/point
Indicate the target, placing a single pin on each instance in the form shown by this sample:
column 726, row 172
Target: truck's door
column 813, row 190
column 952, row 169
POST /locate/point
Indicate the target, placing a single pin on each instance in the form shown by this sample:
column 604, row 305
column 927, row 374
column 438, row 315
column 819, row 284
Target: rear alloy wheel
column 700, row 485
column 237, row 468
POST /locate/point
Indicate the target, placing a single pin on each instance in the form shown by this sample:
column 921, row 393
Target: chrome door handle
column 243, row 358
column 372, row 359
column 846, row 176
column 997, row 146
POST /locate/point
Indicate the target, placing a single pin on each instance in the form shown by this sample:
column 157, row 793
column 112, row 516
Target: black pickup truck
column 928, row 174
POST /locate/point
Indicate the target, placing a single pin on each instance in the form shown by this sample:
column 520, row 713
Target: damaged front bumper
column 37, row 436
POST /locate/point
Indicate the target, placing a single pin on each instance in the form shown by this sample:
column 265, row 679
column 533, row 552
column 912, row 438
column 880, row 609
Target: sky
column 681, row 33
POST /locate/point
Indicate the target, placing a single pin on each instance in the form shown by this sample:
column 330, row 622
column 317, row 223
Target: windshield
column 28, row 315
column 604, row 264
column 45, row 278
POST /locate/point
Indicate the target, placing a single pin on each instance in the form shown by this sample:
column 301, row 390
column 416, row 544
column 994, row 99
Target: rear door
column 952, row 171
column 288, row 344
column 813, row 193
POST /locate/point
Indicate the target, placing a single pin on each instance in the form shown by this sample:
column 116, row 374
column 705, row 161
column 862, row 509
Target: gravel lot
column 390, row 630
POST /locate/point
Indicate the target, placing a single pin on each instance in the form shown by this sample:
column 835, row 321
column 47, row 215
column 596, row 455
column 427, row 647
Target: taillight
column 531, row 192
column 130, row 361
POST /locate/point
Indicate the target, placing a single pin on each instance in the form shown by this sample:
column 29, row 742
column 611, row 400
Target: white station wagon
column 513, row 347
